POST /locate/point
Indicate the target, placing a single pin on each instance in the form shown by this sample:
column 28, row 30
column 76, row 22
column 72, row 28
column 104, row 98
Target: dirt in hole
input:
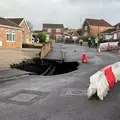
column 46, row 68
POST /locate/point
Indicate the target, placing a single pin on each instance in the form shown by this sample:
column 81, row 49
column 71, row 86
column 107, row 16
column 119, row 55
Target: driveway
column 11, row 56
column 61, row 97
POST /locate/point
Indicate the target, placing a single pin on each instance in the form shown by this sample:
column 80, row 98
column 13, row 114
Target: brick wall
column 46, row 48
column 5, row 43
column 94, row 30
column 53, row 32
column 26, row 35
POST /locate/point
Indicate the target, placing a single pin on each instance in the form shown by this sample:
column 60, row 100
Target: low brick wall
column 46, row 48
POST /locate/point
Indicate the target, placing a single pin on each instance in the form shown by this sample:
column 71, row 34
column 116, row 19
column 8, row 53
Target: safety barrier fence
column 104, row 80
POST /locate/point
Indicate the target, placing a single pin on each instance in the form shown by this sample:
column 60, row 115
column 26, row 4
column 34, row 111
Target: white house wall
column 74, row 37
column 115, row 36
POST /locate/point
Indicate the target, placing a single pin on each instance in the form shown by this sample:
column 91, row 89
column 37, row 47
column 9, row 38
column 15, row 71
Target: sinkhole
column 46, row 67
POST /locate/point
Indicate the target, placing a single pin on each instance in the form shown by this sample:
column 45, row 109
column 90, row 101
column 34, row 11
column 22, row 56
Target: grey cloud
column 69, row 12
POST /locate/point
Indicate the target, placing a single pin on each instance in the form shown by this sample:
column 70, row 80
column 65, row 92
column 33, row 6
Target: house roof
column 98, row 22
column 53, row 26
column 109, row 31
column 65, row 33
column 75, row 31
column 16, row 20
column 7, row 22
column 117, row 24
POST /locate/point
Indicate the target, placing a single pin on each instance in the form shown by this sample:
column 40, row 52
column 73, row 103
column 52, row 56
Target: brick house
column 95, row 26
column 55, row 31
column 10, row 34
column 107, row 34
column 26, row 33
column 116, row 32
column 113, row 33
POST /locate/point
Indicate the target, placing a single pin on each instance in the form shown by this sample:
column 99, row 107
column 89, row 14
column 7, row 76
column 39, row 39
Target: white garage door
column 108, row 37
column 115, row 36
column 58, row 36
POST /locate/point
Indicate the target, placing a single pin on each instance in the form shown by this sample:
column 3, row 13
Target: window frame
column 86, row 28
column 118, row 27
column 118, row 35
column 11, row 35
column 49, row 30
column 58, row 30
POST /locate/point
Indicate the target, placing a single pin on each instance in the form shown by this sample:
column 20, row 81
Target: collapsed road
column 54, row 63
column 61, row 96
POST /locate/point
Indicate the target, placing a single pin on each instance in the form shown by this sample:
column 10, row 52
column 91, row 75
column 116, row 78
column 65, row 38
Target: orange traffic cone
column 99, row 52
column 84, row 58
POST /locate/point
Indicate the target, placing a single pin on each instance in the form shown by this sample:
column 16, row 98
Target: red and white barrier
column 93, row 81
column 104, row 80
column 116, row 70
column 108, row 45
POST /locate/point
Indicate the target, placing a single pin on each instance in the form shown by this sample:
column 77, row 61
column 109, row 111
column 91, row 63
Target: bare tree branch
column 30, row 25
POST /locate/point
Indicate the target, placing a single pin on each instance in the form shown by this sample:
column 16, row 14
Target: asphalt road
column 61, row 97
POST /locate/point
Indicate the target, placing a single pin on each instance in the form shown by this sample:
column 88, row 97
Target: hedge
column 25, row 45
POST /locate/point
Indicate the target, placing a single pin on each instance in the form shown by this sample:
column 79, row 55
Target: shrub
column 42, row 37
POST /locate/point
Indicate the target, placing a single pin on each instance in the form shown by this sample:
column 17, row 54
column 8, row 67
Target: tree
column 30, row 25
column 42, row 37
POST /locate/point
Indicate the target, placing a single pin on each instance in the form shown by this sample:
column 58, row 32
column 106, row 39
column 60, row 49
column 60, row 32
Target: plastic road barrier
column 116, row 70
column 104, row 80
column 110, row 77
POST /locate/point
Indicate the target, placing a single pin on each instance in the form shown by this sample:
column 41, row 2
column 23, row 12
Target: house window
column 118, row 35
column 58, row 30
column 49, row 30
column 10, row 36
column 117, row 27
column 86, row 27
column 115, row 36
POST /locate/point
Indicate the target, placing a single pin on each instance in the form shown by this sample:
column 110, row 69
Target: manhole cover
column 73, row 92
column 24, row 97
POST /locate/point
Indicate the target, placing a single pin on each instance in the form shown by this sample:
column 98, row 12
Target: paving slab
column 54, row 55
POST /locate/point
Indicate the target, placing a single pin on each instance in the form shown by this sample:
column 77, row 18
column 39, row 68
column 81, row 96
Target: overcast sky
column 71, row 13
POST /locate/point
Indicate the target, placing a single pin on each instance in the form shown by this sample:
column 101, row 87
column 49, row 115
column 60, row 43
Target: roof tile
column 53, row 26
column 97, row 22
column 7, row 22
column 16, row 20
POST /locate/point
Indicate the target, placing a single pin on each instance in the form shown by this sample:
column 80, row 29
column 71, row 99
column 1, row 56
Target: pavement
column 61, row 97
column 11, row 74
column 15, row 56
